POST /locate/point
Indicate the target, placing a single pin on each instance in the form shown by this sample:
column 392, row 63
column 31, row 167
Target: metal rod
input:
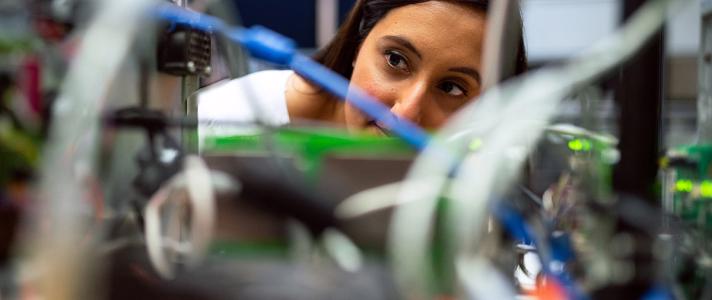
column 639, row 95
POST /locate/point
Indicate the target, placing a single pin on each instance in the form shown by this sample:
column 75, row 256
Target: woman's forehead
column 436, row 28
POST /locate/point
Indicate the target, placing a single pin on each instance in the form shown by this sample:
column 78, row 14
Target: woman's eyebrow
column 403, row 42
column 469, row 72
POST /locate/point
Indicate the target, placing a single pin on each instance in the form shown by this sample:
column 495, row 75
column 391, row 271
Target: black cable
column 143, row 93
column 271, row 186
column 153, row 120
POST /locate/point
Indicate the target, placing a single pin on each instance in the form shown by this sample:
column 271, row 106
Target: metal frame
column 639, row 95
column 704, row 100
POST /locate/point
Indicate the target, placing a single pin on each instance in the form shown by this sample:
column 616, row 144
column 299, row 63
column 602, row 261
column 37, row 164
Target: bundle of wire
column 495, row 117
column 482, row 174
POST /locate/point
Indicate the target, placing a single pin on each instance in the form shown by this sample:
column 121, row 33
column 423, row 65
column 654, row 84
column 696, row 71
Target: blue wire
column 271, row 46
column 195, row 20
column 658, row 292
column 515, row 224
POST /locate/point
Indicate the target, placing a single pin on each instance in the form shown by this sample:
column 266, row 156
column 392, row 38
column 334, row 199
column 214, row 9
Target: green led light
column 475, row 144
column 706, row 189
column 683, row 186
column 580, row 145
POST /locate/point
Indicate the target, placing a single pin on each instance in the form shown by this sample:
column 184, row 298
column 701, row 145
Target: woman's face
column 422, row 61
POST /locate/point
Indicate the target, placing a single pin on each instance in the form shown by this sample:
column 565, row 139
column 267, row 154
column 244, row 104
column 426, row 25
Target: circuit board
column 689, row 184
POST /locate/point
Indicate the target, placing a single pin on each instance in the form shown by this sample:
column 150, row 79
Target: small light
column 475, row 144
column 683, row 186
column 706, row 189
column 580, row 145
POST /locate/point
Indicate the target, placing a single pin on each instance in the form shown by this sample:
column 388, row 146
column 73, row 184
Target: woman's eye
column 396, row 61
column 452, row 89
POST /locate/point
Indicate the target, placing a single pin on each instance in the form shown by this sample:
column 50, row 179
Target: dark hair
column 340, row 53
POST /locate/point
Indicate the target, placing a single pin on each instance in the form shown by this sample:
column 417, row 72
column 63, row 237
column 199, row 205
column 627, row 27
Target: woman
column 422, row 58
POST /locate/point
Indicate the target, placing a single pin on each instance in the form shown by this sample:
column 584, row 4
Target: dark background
column 295, row 19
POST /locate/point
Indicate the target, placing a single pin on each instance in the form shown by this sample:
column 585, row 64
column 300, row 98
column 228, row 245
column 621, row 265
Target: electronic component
column 184, row 51
column 689, row 184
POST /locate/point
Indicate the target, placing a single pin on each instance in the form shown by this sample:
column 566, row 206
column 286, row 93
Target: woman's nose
column 410, row 102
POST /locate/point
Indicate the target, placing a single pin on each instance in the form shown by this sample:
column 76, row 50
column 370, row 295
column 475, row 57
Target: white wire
column 195, row 178
column 482, row 280
column 573, row 130
column 154, row 237
column 386, row 196
column 367, row 201
column 344, row 252
column 202, row 199
column 497, row 118
column 70, row 155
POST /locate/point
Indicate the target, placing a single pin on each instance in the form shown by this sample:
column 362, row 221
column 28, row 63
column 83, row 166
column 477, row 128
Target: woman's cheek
column 372, row 79
column 378, row 86
column 381, row 93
